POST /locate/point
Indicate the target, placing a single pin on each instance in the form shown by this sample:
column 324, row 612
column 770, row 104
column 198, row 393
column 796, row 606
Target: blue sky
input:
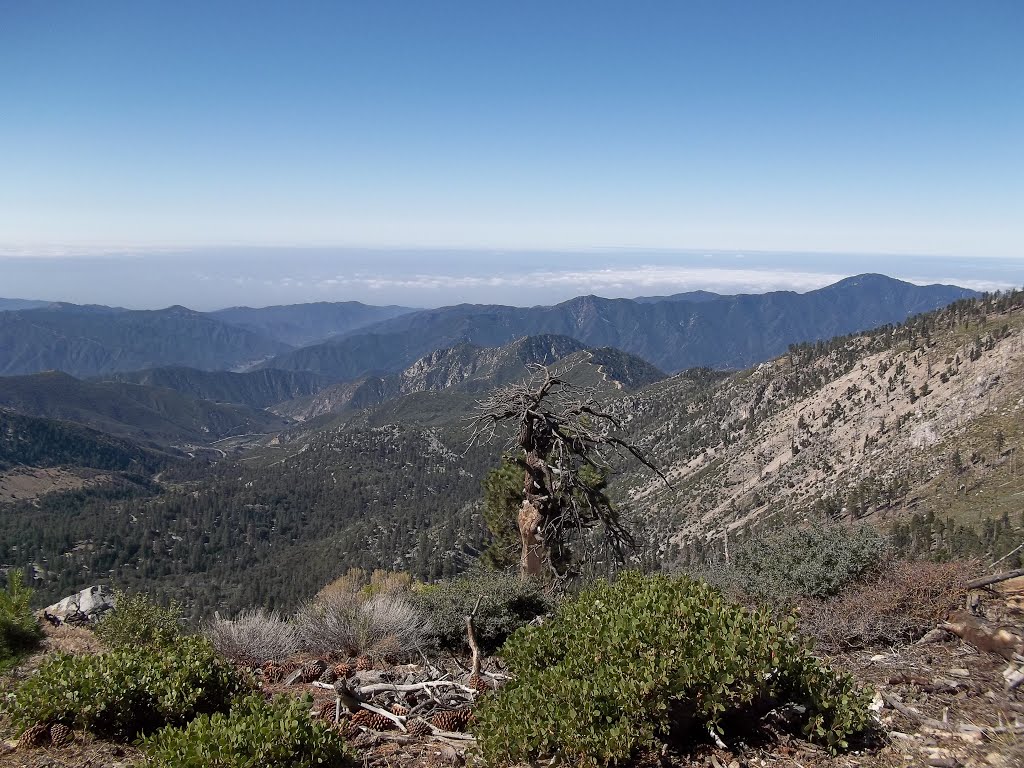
column 800, row 127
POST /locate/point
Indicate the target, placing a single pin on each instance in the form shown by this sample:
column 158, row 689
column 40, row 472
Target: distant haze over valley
column 216, row 278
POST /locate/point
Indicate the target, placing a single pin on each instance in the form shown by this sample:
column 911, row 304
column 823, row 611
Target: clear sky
column 817, row 126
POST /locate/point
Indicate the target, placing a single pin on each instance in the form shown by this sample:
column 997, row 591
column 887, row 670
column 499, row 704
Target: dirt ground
column 950, row 681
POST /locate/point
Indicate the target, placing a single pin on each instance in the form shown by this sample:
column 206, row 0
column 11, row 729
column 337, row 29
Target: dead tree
column 563, row 440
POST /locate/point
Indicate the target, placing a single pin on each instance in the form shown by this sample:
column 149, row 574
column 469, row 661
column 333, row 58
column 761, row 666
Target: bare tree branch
column 564, row 441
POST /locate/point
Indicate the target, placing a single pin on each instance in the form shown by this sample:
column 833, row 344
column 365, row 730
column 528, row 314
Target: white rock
column 89, row 605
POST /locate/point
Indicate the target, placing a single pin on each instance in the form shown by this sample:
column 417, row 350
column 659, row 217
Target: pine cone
column 61, row 735
column 312, row 670
column 343, row 670
column 479, row 684
column 418, row 727
column 399, row 710
column 34, row 735
column 454, row 720
column 348, row 729
column 364, row 664
column 372, row 720
column 362, row 717
column 329, row 676
column 324, row 711
column 272, row 671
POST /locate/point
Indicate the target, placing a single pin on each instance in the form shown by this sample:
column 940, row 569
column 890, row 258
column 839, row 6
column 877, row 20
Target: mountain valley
column 379, row 471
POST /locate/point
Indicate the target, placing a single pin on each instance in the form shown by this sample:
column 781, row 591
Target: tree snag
column 562, row 441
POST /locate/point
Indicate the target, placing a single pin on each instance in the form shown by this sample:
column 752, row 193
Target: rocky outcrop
column 85, row 607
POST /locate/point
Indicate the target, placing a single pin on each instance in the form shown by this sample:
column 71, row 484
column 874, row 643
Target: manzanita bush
column 128, row 691
column 624, row 664
column 267, row 734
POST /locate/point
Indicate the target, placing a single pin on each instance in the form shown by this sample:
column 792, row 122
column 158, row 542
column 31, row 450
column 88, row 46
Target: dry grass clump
column 254, row 635
column 898, row 605
column 358, row 580
column 363, row 615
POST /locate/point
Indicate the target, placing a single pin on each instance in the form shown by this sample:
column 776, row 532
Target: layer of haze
column 210, row 279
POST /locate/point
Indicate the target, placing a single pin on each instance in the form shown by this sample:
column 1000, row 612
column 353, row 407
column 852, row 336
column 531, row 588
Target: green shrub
column 127, row 691
column 623, row 665
column 506, row 603
column 138, row 622
column 255, row 733
column 778, row 567
column 19, row 628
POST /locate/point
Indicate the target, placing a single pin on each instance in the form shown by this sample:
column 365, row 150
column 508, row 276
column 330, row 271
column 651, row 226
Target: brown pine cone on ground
column 348, row 729
column 362, row 717
column 364, row 664
column 329, row 676
column 454, row 720
column 35, row 735
column 399, row 710
column 312, row 670
column 372, row 720
column 272, row 672
column 479, row 684
column 343, row 670
column 61, row 735
column 323, row 711
column 418, row 727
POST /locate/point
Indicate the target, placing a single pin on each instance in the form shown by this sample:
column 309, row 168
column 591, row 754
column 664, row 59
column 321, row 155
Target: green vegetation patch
column 651, row 658
column 502, row 600
column 127, row 691
column 19, row 629
column 780, row 566
column 275, row 734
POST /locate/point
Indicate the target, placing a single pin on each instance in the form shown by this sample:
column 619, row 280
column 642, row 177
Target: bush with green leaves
column 19, row 628
column 506, row 603
column 128, row 691
column 138, row 622
column 624, row 666
column 274, row 734
column 781, row 566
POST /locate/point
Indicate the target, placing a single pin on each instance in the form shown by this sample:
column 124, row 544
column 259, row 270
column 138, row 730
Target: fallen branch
column 339, row 700
column 986, row 581
column 471, row 639
column 984, row 636
column 939, row 725
column 453, row 735
column 368, row 690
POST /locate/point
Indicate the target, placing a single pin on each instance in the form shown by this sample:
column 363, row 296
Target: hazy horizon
column 218, row 278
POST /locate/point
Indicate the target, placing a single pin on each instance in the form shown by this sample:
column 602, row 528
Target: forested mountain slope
column 468, row 368
column 90, row 341
column 916, row 426
column 256, row 389
column 152, row 414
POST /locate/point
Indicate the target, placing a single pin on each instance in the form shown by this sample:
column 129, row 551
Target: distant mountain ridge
column 672, row 334
column 96, row 340
column 303, row 324
column 19, row 304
